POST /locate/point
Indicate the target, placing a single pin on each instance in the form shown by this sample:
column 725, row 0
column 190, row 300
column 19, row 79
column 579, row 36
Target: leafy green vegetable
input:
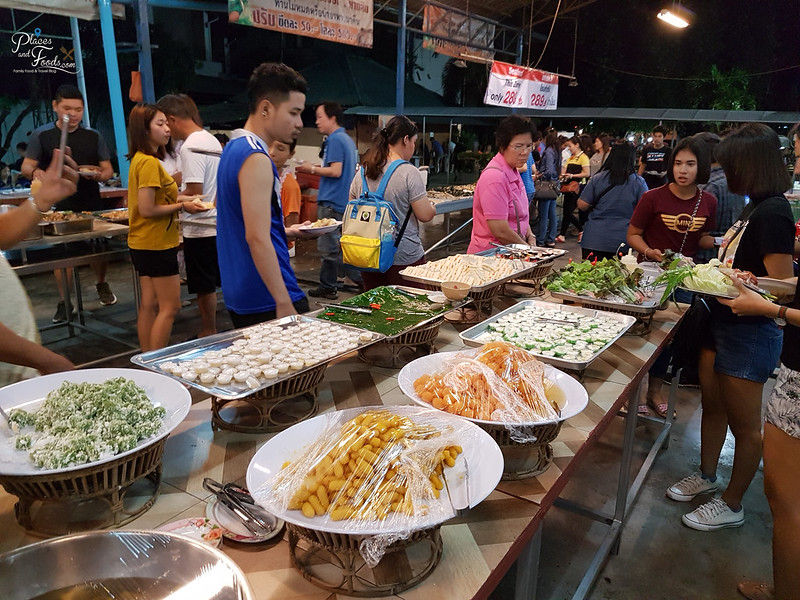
column 673, row 277
column 599, row 279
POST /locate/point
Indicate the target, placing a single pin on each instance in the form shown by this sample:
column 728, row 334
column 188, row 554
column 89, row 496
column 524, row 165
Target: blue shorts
column 749, row 349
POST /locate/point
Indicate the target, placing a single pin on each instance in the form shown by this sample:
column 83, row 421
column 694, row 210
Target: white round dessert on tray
column 482, row 454
column 575, row 396
column 30, row 394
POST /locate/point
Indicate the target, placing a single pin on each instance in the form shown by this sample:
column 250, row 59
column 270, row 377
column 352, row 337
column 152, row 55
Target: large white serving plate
column 574, row 393
column 29, row 395
column 482, row 454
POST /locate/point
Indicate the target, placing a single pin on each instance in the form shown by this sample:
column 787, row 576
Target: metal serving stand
column 543, row 258
column 272, row 406
column 111, row 483
column 313, row 552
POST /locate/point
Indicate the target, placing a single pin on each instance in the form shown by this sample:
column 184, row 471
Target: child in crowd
column 280, row 153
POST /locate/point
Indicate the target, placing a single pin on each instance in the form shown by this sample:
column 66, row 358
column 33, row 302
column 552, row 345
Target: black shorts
column 155, row 263
column 202, row 269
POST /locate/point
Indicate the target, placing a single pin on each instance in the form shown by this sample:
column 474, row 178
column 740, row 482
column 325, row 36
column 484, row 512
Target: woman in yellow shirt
column 574, row 173
column 153, row 207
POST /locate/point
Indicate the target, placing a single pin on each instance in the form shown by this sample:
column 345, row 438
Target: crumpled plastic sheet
column 500, row 383
column 378, row 471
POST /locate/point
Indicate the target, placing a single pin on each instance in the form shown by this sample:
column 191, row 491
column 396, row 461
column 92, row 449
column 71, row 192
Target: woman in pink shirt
column 500, row 205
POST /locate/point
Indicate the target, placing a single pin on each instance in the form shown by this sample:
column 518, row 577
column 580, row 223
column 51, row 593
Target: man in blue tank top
column 258, row 282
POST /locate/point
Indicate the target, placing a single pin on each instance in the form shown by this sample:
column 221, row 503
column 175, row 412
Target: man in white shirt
column 199, row 177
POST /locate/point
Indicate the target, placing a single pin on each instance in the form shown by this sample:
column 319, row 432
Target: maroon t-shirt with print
column 665, row 218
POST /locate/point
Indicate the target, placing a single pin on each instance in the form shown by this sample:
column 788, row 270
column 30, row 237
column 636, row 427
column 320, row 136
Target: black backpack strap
column 403, row 228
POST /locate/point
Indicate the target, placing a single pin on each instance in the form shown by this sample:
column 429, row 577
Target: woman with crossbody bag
column 611, row 196
column 499, row 205
column 678, row 217
column 742, row 351
column 547, row 190
column 405, row 191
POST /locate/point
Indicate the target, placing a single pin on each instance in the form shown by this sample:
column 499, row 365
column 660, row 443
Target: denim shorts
column 783, row 408
column 749, row 349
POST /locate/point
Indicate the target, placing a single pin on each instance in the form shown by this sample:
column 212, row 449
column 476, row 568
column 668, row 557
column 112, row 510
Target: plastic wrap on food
column 379, row 467
column 499, row 382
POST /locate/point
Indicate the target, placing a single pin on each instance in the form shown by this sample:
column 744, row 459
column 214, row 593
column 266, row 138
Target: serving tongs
column 357, row 309
column 460, row 506
column 238, row 500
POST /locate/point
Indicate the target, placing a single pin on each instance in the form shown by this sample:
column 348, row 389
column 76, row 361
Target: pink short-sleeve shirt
column 498, row 191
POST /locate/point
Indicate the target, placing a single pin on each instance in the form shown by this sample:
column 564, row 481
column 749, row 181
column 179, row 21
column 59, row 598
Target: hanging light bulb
column 676, row 15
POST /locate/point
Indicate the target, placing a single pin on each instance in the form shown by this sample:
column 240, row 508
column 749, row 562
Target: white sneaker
column 713, row 515
column 689, row 487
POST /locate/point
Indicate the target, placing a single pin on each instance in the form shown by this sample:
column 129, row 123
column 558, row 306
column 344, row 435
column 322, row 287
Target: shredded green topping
column 83, row 422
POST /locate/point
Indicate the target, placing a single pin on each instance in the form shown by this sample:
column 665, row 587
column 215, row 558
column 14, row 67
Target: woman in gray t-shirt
column 405, row 191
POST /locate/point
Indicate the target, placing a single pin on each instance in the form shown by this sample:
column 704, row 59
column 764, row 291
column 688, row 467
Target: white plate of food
column 321, row 226
column 481, row 461
column 570, row 396
column 234, row 529
column 29, row 395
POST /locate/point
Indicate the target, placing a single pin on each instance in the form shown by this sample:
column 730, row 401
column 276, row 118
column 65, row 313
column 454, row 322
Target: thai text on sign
column 520, row 87
column 461, row 30
column 343, row 21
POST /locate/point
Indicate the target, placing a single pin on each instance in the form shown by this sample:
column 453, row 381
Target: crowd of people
column 239, row 207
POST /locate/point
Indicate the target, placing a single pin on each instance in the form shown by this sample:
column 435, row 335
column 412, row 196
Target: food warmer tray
column 68, row 227
column 469, row 336
column 454, row 305
column 475, row 289
column 233, row 391
column 545, row 254
column 104, row 214
column 648, row 307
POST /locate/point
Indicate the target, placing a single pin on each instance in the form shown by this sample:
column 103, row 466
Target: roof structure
column 357, row 80
column 351, row 80
column 589, row 112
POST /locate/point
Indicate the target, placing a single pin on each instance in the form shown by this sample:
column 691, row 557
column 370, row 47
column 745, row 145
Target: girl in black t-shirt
column 781, row 443
column 743, row 351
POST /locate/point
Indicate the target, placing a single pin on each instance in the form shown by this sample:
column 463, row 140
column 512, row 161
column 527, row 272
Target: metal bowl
column 145, row 565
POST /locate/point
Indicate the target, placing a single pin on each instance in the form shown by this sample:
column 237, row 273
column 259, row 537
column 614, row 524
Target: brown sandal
column 756, row 591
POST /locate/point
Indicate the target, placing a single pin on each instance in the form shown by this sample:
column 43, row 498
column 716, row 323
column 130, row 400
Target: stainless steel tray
column 197, row 348
column 469, row 336
column 69, row 227
column 475, row 289
column 106, row 215
column 36, row 232
column 454, row 304
column 545, row 255
column 648, row 307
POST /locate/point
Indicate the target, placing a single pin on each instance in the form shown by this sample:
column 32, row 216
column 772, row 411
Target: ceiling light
column 460, row 63
column 674, row 16
column 573, row 83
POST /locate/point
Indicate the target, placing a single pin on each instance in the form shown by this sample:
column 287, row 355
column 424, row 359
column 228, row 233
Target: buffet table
column 479, row 548
column 446, row 207
column 116, row 196
column 52, row 253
